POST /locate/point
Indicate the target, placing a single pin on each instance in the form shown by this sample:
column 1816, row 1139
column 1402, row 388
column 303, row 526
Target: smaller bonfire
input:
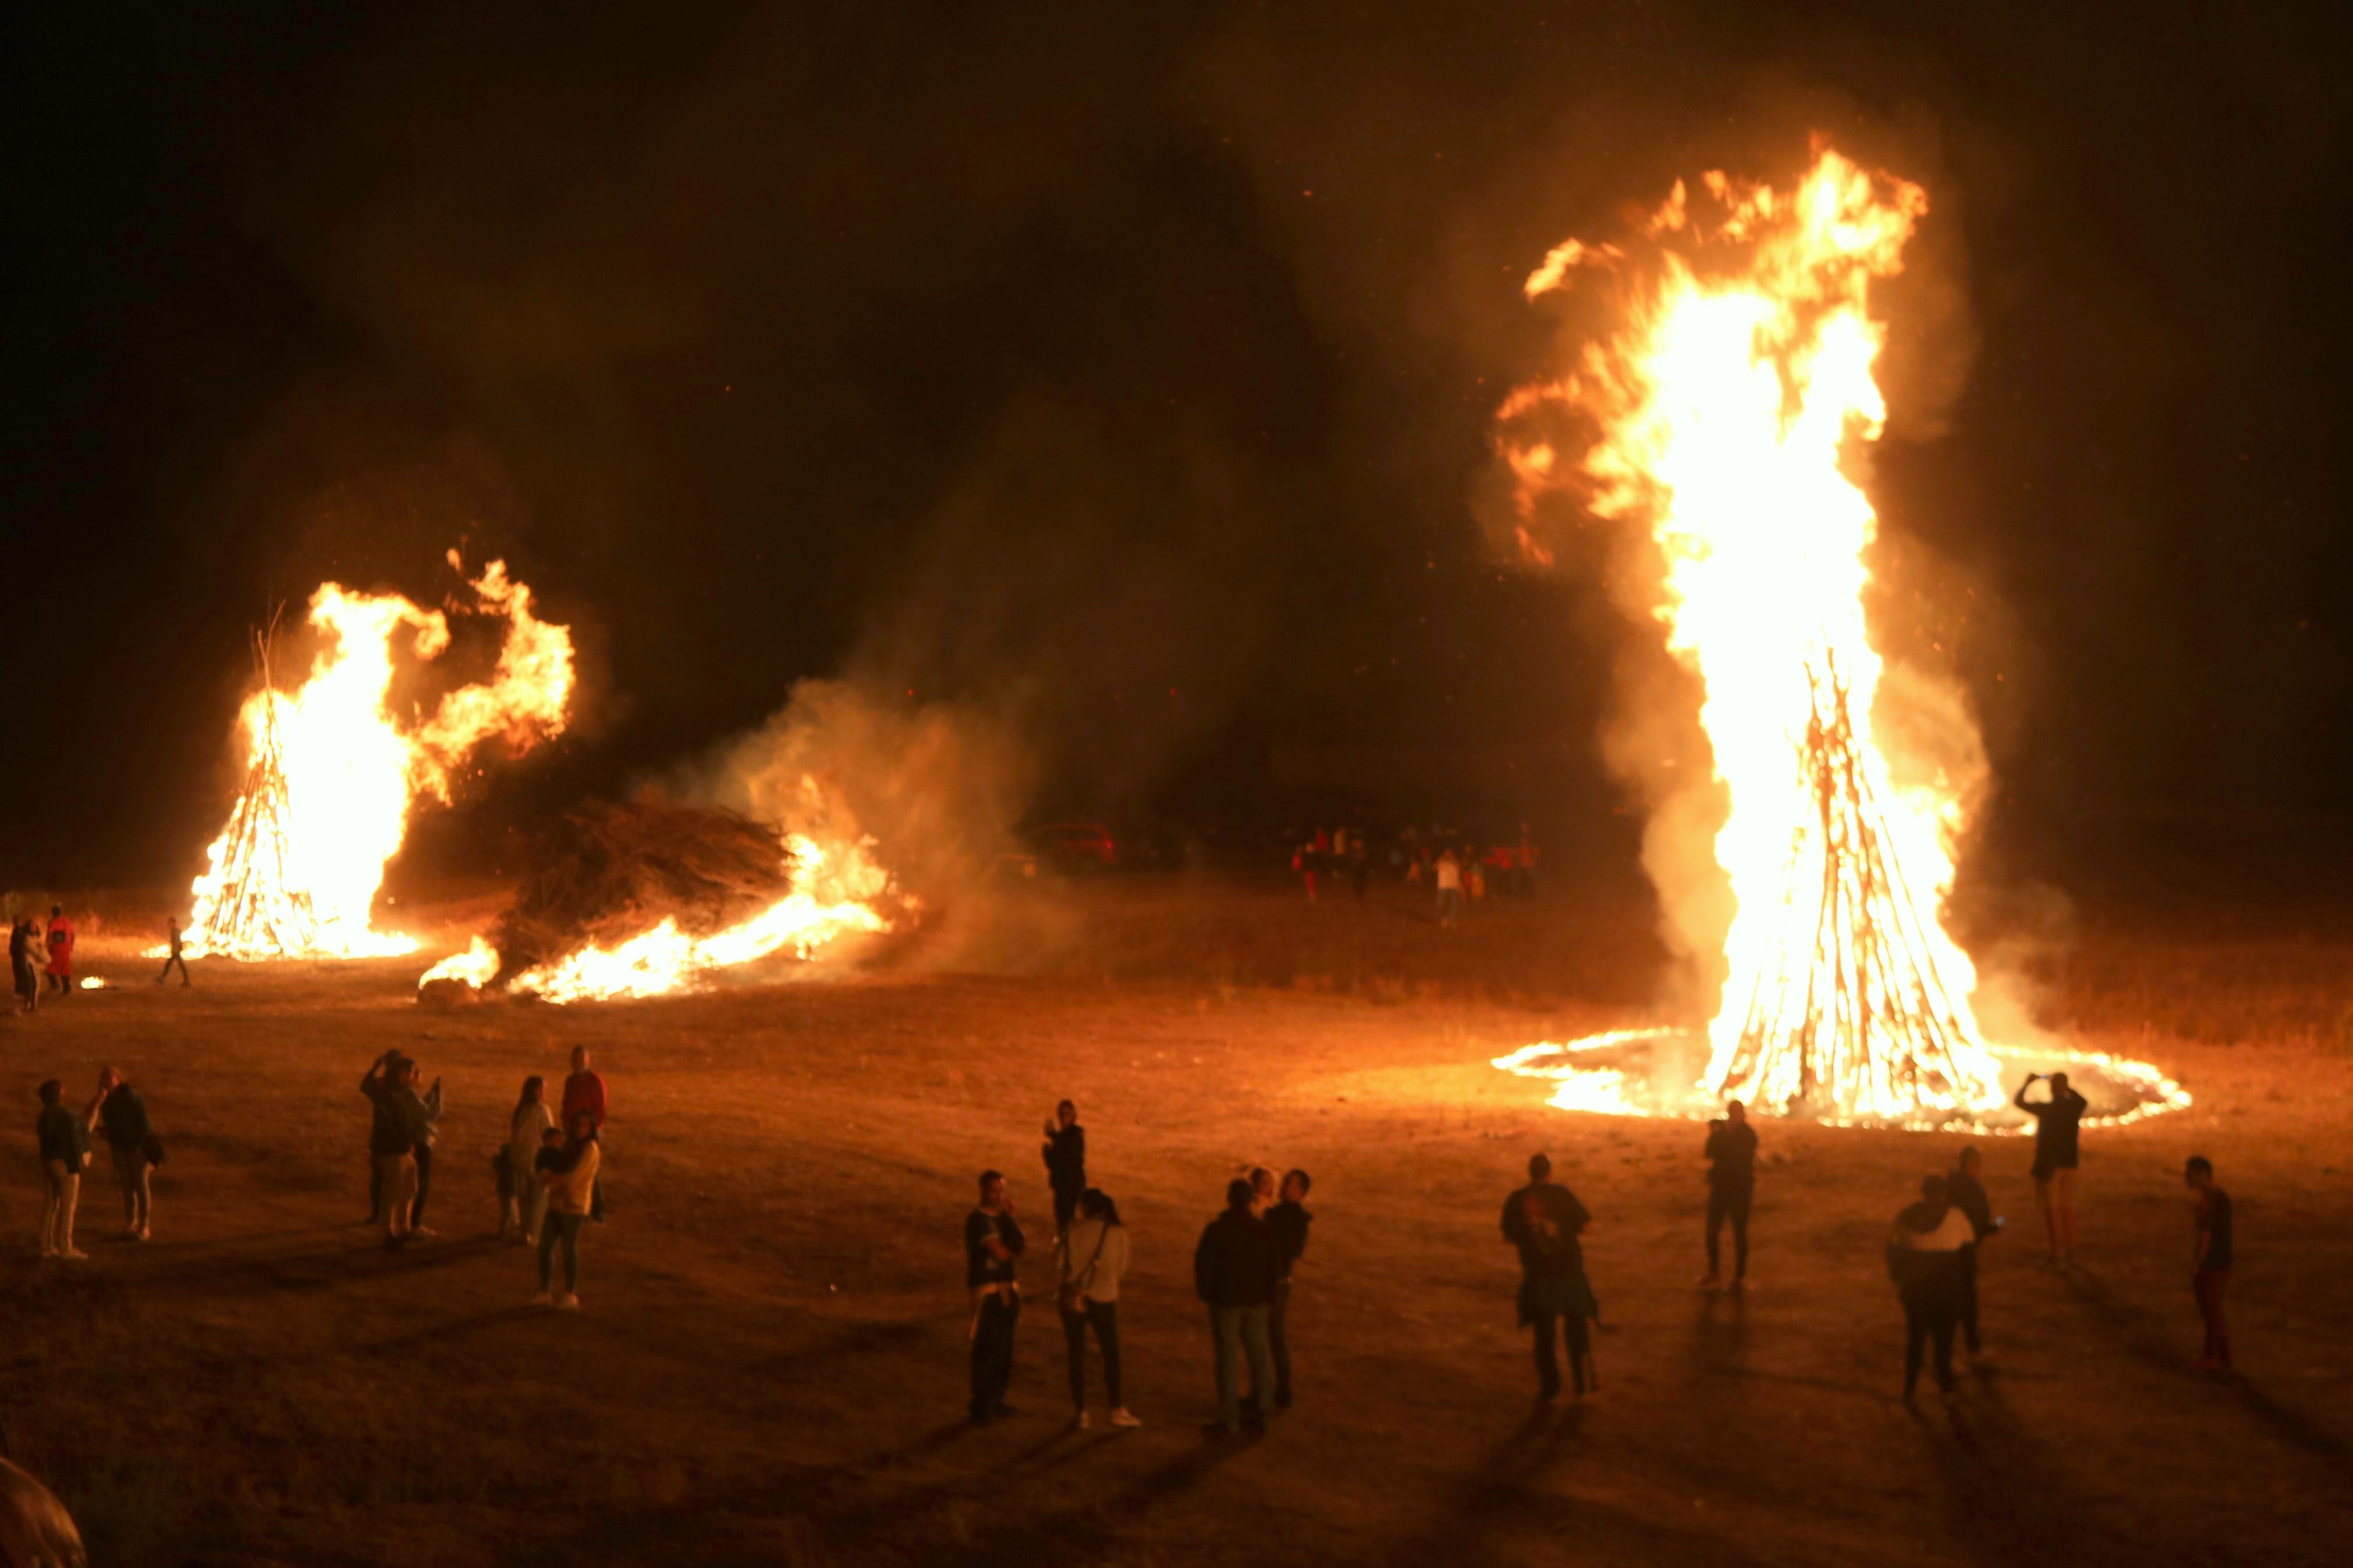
column 646, row 896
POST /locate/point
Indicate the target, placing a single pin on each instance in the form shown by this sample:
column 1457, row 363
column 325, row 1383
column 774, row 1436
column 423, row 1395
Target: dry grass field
column 769, row 1366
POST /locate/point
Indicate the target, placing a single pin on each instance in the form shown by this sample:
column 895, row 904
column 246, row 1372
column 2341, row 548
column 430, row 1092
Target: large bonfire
column 1721, row 411
column 333, row 770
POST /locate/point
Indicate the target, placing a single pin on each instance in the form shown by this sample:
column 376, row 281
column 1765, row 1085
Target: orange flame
column 351, row 769
column 1725, row 405
column 835, row 892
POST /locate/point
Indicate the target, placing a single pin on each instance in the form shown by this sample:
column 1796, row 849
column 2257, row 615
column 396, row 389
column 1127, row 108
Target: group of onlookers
column 40, row 959
column 1932, row 1253
column 63, row 1136
column 548, row 1177
column 546, row 1171
column 1241, row 1272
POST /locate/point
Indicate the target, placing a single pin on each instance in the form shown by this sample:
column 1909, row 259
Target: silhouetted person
column 1731, row 1185
column 1925, row 1256
column 392, row 1142
column 1965, row 1191
column 1065, row 1150
column 2211, row 1254
column 2057, row 1121
column 172, row 937
column 1288, row 1219
column 1234, row 1272
column 61, row 950
column 131, row 1140
column 427, row 1115
column 992, row 1241
column 1091, row 1258
column 1544, row 1221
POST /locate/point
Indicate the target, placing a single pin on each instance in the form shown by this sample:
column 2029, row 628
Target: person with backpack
column 1544, row 1221
column 64, row 1140
column 132, row 1141
column 1090, row 1257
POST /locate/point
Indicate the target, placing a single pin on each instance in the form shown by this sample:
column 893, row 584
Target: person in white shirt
column 1091, row 1258
column 1449, row 888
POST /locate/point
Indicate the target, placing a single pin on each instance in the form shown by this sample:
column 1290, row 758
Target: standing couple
column 1242, row 1270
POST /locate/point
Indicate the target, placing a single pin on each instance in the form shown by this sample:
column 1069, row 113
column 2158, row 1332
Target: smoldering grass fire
column 1622, row 1073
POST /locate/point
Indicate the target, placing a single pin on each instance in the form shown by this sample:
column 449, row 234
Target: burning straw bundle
column 610, row 870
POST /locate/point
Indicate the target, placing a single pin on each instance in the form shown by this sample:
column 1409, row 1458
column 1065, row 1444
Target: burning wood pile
column 1717, row 414
column 647, row 898
column 1847, row 1013
column 254, row 904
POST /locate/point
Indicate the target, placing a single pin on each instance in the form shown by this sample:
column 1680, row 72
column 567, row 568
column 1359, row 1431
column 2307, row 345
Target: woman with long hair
column 569, row 1174
column 522, row 1199
column 1093, row 1256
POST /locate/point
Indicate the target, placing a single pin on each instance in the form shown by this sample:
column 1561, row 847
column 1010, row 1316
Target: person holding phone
column 1065, row 1150
column 2057, row 1152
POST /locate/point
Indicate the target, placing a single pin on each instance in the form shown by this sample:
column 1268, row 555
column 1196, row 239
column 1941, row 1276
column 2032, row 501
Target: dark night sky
column 1136, row 362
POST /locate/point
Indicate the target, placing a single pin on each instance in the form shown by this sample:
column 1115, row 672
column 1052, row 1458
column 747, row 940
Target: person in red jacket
column 61, row 946
column 584, row 1091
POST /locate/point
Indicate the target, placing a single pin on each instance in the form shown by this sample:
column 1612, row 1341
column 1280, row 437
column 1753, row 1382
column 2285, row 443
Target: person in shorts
column 2057, row 1121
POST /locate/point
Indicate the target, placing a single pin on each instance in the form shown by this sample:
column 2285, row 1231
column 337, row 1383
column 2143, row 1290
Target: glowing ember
column 92, row 983
column 1725, row 405
column 834, row 893
column 332, row 772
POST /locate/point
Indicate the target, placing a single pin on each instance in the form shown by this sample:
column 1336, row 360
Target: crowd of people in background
column 1458, row 868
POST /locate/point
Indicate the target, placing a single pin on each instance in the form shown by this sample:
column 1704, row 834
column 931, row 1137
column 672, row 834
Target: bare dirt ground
column 770, row 1364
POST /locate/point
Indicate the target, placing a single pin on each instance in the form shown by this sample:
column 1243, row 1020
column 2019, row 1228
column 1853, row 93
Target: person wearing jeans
column 1234, row 1271
column 65, row 1150
column 1093, row 1256
column 124, row 1115
column 569, row 1174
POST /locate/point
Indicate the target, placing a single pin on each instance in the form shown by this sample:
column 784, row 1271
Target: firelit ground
column 770, row 1363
